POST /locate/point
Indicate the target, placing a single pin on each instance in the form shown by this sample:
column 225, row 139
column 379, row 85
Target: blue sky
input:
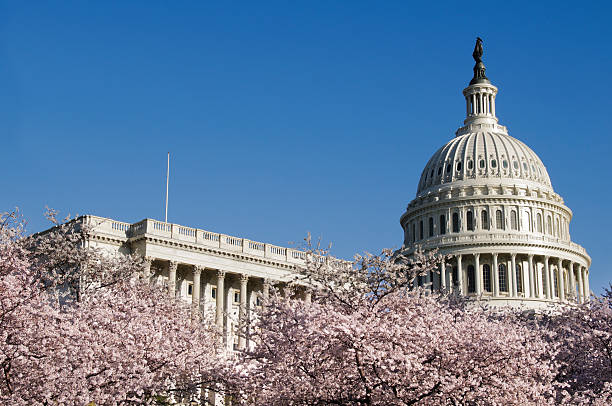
column 289, row 117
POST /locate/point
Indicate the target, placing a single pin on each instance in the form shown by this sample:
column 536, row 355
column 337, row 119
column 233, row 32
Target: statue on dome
column 479, row 68
column 477, row 54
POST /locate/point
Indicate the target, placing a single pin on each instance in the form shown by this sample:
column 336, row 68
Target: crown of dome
column 481, row 158
column 482, row 153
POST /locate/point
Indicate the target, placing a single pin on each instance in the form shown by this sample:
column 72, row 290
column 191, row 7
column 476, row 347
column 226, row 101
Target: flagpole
column 167, row 182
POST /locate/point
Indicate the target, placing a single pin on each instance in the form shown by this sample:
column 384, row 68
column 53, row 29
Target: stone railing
column 501, row 238
column 196, row 236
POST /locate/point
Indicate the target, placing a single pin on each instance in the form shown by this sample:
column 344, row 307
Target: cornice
column 186, row 246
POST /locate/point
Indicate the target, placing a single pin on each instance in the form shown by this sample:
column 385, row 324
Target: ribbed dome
column 484, row 158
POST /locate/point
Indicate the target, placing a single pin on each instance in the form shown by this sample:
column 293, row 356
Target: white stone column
column 548, row 292
column 460, row 275
column 195, row 297
column 244, row 279
column 146, row 272
column 478, row 274
column 172, row 266
column 220, row 302
column 442, row 276
column 572, row 281
column 514, row 291
column 561, row 280
column 580, row 285
column 532, row 276
column 308, row 295
column 495, row 276
column 587, row 287
column 266, row 289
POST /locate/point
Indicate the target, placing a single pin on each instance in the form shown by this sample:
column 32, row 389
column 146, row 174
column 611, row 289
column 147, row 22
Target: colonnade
column 231, row 296
column 503, row 275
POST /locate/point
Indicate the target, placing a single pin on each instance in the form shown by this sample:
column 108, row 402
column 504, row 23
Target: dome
column 485, row 202
column 483, row 157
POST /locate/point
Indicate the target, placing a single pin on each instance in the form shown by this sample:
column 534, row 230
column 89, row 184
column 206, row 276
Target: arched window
column 486, row 277
column 421, row 230
column 485, row 220
column 519, row 279
column 455, row 276
column 513, row 220
column 431, row 227
column 556, row 283
column 557, row 229
column 455, row 222
column 544, row 278
column 499, row 219
column 503, row 285
column 471, row 276
column 548, row 225
column 527, row 226
column 539, row 222
column 470, row 220
column 442, row 224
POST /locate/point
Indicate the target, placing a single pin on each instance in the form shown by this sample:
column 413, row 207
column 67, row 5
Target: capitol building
column 486, row 201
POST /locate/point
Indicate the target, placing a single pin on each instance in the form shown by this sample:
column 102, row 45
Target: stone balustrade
column 150, row 227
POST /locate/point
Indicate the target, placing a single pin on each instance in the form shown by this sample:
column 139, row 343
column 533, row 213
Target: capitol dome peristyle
column 485, row 199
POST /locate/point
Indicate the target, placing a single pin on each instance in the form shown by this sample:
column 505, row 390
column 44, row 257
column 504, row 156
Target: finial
column 479, row 68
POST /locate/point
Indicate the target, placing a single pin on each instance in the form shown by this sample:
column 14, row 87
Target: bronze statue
column 477, row 54
column 479, row 68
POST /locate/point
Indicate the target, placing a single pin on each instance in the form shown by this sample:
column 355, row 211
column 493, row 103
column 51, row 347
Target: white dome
column 487, row 157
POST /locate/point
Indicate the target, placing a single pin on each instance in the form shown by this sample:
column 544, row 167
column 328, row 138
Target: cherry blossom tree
column 367, row 340
column 582, row 336
column 111, row 339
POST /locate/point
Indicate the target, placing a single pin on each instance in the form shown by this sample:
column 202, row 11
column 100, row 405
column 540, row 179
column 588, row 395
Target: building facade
column 217, row 273
column 485, row 199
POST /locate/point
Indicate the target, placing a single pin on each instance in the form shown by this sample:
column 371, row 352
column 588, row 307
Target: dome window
column 448, row 168
column 515, row 165
column 459, row 166
column 486, row 277
column 442, row 224
column 439, row 171
column 471, row 279
column 503, row 285
column 505, row 164
column 431, row 175
column 470, row 220
column 455, row 222
column 525, row 168
column 493, row 163
column 470, row 164
column 482, row 164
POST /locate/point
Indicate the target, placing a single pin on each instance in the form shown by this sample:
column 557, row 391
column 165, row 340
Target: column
column 172, row 266
column 548, row 293
column 460, row 275
column 308, row 295
column 220, row 295
column 561, row 280
column 195, row 297
column 587, row 288
column 478, row 274
column 580, row 285
column 572, row 281
column 244, row 279
column 146, row 272
column 443, row 276
column 513, row 277
column 532, row 276
column 495, row 276
column 266, row 289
